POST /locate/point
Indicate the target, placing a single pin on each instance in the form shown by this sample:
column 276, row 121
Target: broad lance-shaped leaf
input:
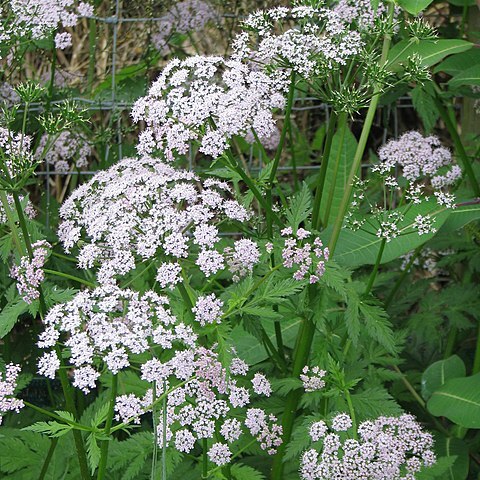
column 339, row 164
column 439, row 372
column 455, row 64
column 361, row 247
column 458, row 400
column 430, row 51
column 470, row 76
column 452, row 447
column 414, row 6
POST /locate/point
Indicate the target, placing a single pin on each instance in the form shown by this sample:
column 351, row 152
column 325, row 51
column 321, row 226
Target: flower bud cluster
column 8, row 383
column 388, row 448
column 29, row 274
column 308, row 258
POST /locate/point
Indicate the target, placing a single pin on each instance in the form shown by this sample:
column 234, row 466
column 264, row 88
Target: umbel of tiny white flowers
column 140, row 208
column 36, row 19
column 29, row 273
column 183, row 17
column 426, row 166
column 103, row 327
column 207, row 101
column 210, row 405
column 8, row 383
column 387, row 448
column 68, row 149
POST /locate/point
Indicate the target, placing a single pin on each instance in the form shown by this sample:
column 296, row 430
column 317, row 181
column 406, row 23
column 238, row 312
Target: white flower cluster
column 306, row 257
column 69, row 148
column 140, row 208
column 8, row 383
column 183, row 17
column 36, row 19
column 206, row 405
column 206, row 100
column 15, row 151
column 320, row 42
column 388, row 448
column 106, row 325
column 29, row 273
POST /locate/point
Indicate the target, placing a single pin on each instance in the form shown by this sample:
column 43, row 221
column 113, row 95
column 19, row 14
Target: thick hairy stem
column 316, row 220
column 362, row 143
column 102, row 466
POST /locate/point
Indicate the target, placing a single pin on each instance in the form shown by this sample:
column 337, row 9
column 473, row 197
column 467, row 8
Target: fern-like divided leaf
column 244, row 472
column 300, row 207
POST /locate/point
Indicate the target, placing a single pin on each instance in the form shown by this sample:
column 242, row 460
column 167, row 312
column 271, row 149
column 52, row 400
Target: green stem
column 452, row 336
column 53, row 415
column 316, row 220
column 459, row 148
column 77, row 435
column 102, row 466
column 301, row 353
column 342, row 127
column 373, row 275
column 362, row 143
column 204, row 458
column 348, row 398
column 402, row 277
column 83, row 281
column 48, row 458
column 11, row 222
column 476, row 359
column 92, row 42
column 283, row 134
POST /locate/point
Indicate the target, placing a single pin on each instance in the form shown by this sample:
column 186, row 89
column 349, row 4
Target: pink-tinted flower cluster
column 360, row 12
column 103, row 327
column 312, row 378
column 29, row 274
column 421, row 159
column 28, row 208
column 142, row 208
column 206, row 100
column 36, row 19
column 8, row 384
column 68, row 149
column 320, row 41
column 205, row 405
column 15, row 151
column 241, row 259
column 183, row 17
column 306, row 257
column 388, row 448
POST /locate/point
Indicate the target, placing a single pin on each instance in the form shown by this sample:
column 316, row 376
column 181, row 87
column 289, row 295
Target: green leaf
column 361, row 247
column 373, row 402
column 377, row 325
column 300, row 207
column 414, row 6
column 459, row 62
column 462, row 3
column 430, row 51
column 458, row 400
column 339, row 164
column 425, row 106
column 438, row 470
column 453, row 448
column 240, row 471
column 10, row 314
column 352, row 318
column 439, row 372
column 52, row 428
column 93, row 452
column 470, row 76
column 283, row 386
